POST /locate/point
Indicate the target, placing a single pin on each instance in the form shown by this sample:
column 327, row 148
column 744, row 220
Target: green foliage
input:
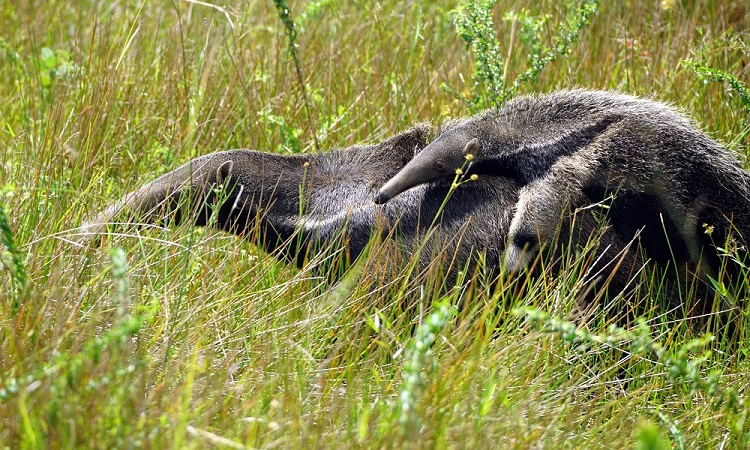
column 710, row 74
column 52, row 65
column 475, row 25
column 530, row 29
column 11, row 260
column 291, row 29
column 680, row 365
column 120, row 276
column 683, row 365
column 648, row 437
column 540, row 57
column 291, row 32
column 419, row 365
column 290, row 136
column 12, row 57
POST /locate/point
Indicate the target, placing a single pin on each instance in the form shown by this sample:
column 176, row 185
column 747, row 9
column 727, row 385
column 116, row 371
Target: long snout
column 381, row 198
column 396, row 185
column 417, row 171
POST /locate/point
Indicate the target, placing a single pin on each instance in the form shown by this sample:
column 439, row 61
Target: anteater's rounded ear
column 224, row 171
column 472, row 147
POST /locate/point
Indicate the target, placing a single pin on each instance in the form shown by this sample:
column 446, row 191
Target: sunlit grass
column 198, row 338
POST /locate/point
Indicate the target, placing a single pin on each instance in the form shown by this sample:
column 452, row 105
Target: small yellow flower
column 474, row 177
column 709, row 229
column 306, row 164
column 469, row 156
column 459, row 171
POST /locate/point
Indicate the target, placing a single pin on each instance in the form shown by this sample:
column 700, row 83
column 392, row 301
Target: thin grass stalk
column 291, row 32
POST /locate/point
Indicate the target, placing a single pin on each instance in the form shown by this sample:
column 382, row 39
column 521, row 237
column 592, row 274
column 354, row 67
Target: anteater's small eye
column 440, row 165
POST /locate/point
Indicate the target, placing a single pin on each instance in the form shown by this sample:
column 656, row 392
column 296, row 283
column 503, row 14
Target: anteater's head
column 438, row 160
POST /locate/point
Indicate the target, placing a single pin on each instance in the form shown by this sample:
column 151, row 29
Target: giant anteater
column 686, row 196
column 542, row 161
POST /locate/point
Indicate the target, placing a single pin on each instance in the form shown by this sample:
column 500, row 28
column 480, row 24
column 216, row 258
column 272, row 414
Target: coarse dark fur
column 683, row 194
column 300, row 205
column 297, row 204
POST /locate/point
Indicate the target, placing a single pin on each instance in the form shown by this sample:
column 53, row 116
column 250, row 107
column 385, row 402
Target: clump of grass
column 682, row 365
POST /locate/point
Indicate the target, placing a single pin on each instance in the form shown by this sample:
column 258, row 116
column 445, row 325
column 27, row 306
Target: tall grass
column 190, row 337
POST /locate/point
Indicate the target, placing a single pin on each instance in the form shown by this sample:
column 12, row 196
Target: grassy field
column 188, row 337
